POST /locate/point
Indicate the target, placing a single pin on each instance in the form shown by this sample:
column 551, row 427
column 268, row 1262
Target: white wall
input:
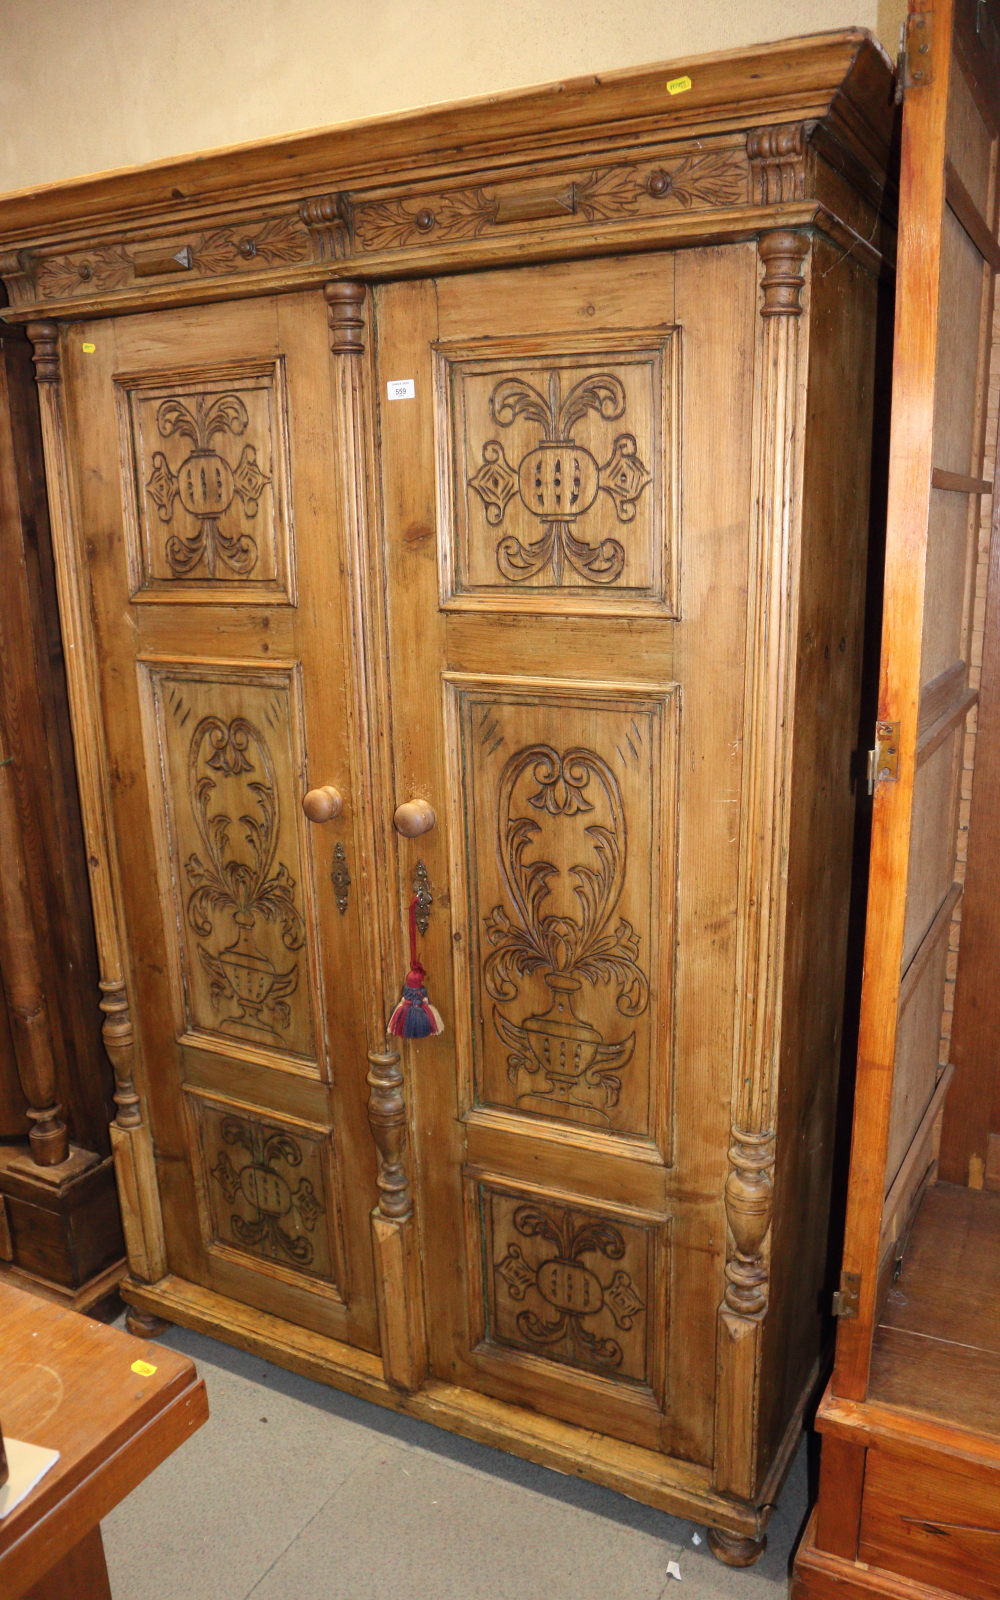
column 87, row 85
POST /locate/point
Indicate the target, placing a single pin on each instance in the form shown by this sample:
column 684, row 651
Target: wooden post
column 130, row 1138
column 772, row 607
column 23, row 987
column 398, row 1283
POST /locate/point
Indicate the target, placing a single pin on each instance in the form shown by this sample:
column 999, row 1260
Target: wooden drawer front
column 941, row 1527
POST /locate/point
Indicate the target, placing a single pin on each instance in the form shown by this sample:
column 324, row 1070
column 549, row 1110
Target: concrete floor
column 293, row 1491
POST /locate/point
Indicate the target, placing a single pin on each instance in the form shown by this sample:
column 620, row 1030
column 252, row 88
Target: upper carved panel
column 559, row 476
column 225, row 748
column 206, row 499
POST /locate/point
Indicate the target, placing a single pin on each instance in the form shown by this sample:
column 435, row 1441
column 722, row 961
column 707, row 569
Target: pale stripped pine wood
column 265, row 662
column 620, row 1145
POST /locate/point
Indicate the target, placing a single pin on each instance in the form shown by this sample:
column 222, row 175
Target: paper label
column 28, row 1464
column 143, row 1368
column 400, row 389
column 678, row 85
column 89, row 349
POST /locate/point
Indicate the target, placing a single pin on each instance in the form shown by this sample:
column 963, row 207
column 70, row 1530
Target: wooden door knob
column 413, row 818
column 322, row 805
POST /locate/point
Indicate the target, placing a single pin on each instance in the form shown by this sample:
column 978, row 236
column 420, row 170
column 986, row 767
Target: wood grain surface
column 67, row 1383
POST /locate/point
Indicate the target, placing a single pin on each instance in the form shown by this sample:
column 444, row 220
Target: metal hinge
column 915, row 59
column 883, row 761
column 845, row 1301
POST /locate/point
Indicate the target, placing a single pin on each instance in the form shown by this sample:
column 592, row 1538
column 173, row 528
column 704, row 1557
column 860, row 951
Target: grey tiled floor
column 293, row 1491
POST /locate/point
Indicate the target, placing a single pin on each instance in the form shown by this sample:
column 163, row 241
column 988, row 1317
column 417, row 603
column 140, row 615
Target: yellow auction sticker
column 678, row 85
column 89, row 349
column 143, row 1368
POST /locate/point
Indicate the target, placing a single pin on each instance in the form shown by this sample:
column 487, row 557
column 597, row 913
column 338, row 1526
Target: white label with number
column 400, row 389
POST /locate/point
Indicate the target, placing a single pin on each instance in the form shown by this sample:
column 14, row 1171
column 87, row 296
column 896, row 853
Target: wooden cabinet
column 503, row 470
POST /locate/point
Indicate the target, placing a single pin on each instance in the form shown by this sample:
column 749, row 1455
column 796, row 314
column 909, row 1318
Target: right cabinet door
column 567, row 665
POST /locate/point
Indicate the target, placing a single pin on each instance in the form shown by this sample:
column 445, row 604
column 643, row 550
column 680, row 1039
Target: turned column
column 773, row 589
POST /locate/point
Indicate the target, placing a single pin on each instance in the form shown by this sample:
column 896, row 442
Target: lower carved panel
column 266, row 1190
column 570, row 1285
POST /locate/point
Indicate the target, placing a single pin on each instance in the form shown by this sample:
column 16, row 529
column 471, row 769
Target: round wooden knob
column 322, row 805
column 413, row 818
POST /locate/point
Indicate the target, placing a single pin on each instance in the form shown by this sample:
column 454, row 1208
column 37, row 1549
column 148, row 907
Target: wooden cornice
column 473, row 179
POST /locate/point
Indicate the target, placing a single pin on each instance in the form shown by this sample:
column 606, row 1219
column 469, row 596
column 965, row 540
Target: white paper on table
column 28, row 1465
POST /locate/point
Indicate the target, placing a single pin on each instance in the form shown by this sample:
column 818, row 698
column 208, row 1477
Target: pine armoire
column 467, row 510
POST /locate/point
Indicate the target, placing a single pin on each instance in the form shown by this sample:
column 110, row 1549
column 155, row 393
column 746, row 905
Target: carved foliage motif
column 208, row 498
column 267, row 1187
column 278, row 241
column 575, row 1069
column 702, row 178
column 567, row 806
column 559, row 480
column 206, row 484
column 244, row 981
column 261, row 1183
column 227, row 746
column 569, row 1286
column 326, row 227
column 550, row 490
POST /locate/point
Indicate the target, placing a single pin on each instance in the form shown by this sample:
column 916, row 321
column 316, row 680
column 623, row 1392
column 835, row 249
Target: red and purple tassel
column 414, row 1016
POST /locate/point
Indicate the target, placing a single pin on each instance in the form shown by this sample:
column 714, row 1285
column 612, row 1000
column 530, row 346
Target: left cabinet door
column 205, row 461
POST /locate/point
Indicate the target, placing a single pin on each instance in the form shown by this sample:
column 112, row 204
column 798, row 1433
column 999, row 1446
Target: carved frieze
column 254, row 247
column 709, row 178
column 333, row 227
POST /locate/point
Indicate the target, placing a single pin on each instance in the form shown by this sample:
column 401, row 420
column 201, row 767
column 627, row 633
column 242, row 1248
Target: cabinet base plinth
column 677, row 1487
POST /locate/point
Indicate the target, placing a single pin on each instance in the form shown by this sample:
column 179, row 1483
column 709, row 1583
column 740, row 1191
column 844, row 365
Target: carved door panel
column 567, row 625
column 209, row 474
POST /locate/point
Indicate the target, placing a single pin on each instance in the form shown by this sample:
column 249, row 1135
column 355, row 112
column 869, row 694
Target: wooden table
column 68, row 1383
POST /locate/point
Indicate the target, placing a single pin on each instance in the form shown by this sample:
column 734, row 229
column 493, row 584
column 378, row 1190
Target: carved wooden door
column 208, row 494
column 567, row 692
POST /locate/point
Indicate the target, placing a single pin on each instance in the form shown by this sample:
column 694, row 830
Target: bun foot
column 736, row 1549
column 143, row 1324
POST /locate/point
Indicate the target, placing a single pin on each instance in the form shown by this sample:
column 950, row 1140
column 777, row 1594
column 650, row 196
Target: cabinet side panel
column 835, row 509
